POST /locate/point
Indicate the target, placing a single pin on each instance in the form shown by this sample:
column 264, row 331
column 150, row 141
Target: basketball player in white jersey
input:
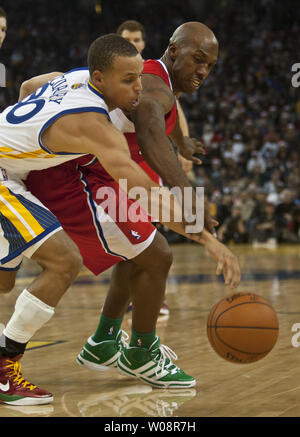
column 65, row 118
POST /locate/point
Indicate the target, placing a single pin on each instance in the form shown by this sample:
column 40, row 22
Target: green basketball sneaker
column 104, row 355
column 154, row 366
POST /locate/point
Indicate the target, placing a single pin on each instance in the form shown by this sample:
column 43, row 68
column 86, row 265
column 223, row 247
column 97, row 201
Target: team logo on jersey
column 135, row 235
column 75, row 86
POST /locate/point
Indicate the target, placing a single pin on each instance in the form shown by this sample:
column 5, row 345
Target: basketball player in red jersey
column 134, row 32
column 192, row 52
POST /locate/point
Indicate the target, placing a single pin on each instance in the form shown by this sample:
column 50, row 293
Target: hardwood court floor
column 270, row 387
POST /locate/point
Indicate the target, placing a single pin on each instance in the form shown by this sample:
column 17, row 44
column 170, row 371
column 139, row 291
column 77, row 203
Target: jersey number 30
column 34, row 99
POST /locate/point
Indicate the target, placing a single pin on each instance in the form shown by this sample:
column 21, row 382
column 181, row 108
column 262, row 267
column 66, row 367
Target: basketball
column 242, row 328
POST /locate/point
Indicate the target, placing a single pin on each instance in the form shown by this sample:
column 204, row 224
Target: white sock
column 29, row 316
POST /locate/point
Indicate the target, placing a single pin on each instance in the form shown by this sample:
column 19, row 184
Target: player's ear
column 173, row 51
column 97, row 78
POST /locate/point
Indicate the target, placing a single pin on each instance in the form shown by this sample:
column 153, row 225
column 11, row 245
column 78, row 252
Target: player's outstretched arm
column 149, row 119
column 92, row 133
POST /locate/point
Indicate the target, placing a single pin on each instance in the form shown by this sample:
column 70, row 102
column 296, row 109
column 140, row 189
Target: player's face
column 121, row 85
column 3, row 29
column 192, row 65
column 136, row 38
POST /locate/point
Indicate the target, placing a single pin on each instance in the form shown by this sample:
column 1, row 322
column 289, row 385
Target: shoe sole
column 29, row 401
column 93, row 366
column 158, row 384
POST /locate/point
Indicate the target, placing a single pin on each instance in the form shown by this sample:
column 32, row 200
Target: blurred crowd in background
column 247, row 113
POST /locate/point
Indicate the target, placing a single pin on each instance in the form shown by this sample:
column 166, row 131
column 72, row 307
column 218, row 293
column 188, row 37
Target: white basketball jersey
column 22, row 124
column 121, row 122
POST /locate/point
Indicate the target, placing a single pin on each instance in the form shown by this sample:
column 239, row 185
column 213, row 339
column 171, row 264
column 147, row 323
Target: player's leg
column 164, row 309
column 59, row 258
column 146, row 358
column 61, row 262
column 148, row 278
column 34, row 232
column 7, row 280
column 143, row 280
column 8, row 273
column 119, row 288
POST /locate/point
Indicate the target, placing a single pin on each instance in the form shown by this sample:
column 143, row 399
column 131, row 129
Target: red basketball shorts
column 104, row 238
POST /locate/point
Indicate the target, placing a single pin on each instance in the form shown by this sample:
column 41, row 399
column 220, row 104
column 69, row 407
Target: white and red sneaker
column 14, row 389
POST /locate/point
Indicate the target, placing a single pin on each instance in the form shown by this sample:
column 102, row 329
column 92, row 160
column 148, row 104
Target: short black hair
column 103, row 50
column 2, row 13
column 132, row 26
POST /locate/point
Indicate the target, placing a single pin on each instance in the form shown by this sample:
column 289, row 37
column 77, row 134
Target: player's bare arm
column 93, row 133
column 149, row 118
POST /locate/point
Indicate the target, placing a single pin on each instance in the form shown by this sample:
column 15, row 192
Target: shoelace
column 166, row 356
column 124, row 338
column 17, row 372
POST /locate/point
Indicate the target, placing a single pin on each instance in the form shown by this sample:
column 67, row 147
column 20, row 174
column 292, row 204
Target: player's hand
column 227, row 262
column 189, row 147
column 186, row 165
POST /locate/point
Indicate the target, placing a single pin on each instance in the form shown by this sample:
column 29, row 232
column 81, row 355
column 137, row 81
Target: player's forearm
column 158, row 202
column 31, row 85
column 159, row 154
column 205, row 238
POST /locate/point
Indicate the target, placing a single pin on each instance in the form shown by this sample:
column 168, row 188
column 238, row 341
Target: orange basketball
column 242, row 328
